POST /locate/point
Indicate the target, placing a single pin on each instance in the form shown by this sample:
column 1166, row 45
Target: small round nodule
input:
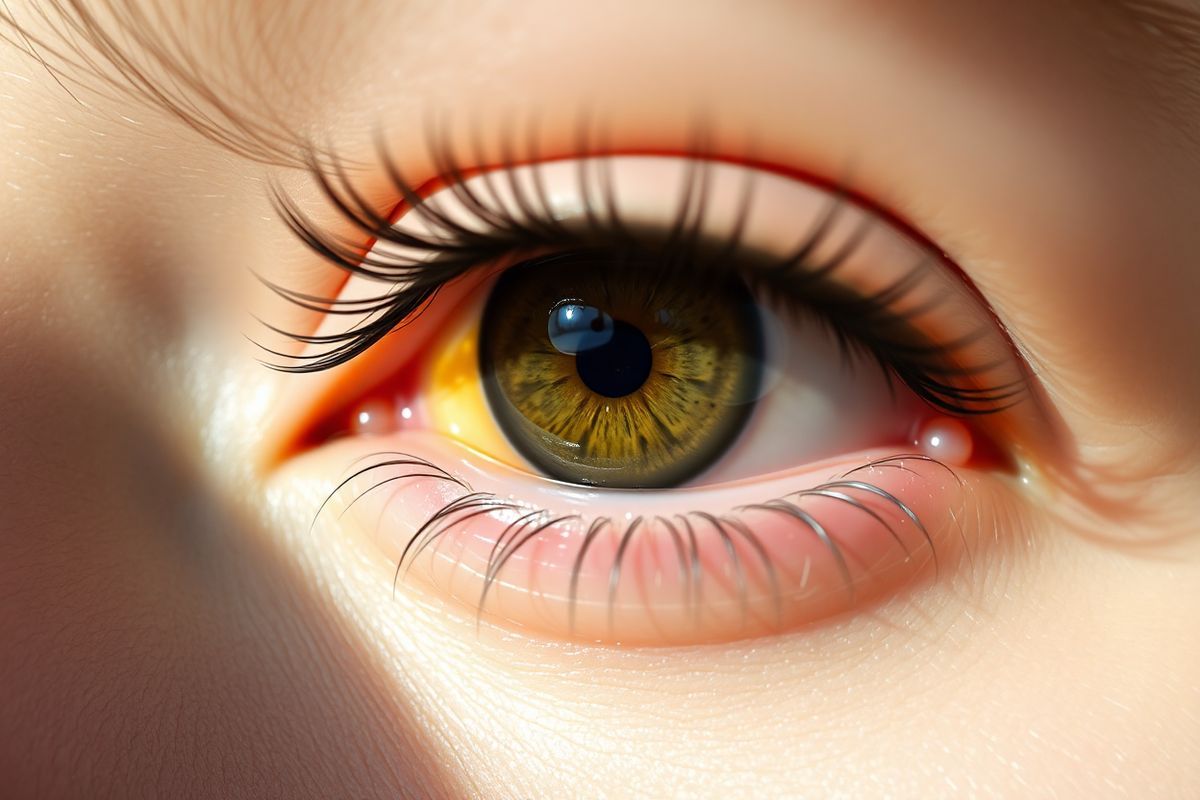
column 947, row 440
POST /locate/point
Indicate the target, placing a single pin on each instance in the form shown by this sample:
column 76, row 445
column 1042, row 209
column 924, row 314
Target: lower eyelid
column 750, row 572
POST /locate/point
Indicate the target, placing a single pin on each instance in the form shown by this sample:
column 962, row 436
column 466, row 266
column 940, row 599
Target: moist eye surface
column 600, row 369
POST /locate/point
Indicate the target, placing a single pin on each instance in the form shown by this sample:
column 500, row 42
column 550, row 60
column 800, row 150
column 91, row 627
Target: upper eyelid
column 355, row 255
column 943, row 389
column 351, row 254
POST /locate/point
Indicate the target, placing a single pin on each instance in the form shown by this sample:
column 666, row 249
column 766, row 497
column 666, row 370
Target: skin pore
column 171, row 624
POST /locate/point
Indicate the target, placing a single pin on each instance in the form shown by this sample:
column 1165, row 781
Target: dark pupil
column 612, row 357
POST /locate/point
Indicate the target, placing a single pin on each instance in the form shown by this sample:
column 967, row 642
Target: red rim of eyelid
column 403, row 381
column 316, row 426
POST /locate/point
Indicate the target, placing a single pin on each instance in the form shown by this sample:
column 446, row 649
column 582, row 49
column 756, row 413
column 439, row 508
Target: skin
column 169, row 627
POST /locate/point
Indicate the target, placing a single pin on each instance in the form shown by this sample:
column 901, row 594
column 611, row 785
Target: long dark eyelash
column 685, row 529
column 864, row 325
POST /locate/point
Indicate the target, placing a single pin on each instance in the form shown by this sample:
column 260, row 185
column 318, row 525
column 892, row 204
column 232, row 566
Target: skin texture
column 169, row 626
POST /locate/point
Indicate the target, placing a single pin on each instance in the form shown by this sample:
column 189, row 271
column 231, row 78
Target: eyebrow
column 1179, row 20
column 129, row 47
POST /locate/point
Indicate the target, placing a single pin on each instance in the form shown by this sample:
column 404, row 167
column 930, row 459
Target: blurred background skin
column 167, row 629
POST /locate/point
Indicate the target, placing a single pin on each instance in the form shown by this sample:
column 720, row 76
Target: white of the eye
column 816, row 404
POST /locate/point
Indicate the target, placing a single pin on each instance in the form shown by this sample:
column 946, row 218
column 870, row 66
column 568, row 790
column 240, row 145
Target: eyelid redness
column 465, row 221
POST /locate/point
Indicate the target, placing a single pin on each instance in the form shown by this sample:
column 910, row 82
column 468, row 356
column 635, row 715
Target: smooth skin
column 168, row 625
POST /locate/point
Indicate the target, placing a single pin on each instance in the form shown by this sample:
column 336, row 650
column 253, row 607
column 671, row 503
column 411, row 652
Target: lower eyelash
column 684, row 530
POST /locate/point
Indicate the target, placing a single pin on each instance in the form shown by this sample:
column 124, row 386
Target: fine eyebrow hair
column 1169, row 17
column 187, row 66
column 135, row 49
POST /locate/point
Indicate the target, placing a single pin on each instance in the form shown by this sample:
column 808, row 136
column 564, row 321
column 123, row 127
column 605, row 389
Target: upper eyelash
column 863, row 324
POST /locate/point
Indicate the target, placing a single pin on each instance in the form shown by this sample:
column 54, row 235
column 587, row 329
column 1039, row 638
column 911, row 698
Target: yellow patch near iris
column 454, row 392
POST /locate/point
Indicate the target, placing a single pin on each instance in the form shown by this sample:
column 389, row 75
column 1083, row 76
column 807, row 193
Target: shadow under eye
column 152, row 623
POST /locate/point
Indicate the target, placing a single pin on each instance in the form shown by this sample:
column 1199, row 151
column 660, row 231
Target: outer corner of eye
column 653, row 421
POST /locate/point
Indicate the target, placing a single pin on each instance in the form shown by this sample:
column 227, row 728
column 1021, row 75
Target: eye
column 654, row 400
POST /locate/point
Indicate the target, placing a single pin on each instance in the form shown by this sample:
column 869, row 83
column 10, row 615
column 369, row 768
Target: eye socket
column 759, row 273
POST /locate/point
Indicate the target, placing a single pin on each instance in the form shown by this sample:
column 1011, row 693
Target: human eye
column 650, row 399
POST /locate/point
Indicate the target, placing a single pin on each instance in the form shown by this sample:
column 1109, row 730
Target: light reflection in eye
column 869, row 346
